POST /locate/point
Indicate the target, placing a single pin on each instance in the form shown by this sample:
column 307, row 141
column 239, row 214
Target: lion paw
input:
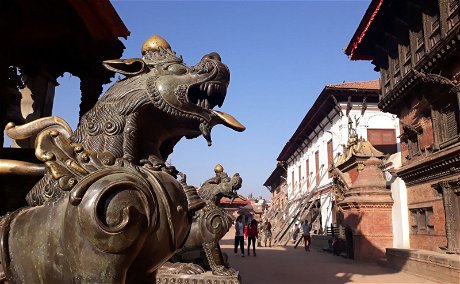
column 223, row 271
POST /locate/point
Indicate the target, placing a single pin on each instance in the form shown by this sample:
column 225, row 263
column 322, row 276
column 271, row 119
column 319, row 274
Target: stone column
column 451, row 211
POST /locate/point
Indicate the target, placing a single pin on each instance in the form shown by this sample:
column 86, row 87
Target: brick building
column 415, row 45
column 276, row 184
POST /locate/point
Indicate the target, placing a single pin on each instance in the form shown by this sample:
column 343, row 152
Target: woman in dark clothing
column 253, row 233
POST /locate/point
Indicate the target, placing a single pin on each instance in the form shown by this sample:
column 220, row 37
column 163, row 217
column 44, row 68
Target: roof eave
column 361, row 31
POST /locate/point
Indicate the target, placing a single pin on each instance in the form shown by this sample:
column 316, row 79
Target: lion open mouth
column 207, row 95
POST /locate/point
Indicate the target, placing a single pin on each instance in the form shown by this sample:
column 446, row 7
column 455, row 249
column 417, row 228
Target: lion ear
column 127, row 67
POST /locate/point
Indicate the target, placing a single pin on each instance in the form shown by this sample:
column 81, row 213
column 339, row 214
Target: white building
column 321, row 136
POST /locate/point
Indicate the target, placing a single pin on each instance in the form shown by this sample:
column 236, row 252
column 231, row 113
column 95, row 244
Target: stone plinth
column 367, row 212
column 205, row 278
column 428, row 264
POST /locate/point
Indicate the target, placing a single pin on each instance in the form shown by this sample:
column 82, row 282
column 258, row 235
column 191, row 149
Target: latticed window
column 407, row 58
column 452, row 14
column 445, row 120
column 449, row 119
column 397, row 70
column 433, row 26
column 420, row 44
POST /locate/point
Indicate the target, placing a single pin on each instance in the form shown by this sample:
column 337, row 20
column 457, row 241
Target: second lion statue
column 209, row 225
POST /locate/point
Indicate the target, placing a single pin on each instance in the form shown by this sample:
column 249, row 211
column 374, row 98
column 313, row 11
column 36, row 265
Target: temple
column 415, row 47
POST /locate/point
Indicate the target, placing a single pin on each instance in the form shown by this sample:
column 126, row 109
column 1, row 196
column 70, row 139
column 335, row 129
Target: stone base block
column 204, row 278
column 439, row 267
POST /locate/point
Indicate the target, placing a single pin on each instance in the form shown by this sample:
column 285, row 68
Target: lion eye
column 177, row 69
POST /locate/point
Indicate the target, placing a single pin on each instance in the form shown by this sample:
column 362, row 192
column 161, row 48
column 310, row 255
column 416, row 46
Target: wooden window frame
column 330, row 156
column 441, row 118
column 421, row 217
column 387, row 131
column 317, row 167
column 307, row 170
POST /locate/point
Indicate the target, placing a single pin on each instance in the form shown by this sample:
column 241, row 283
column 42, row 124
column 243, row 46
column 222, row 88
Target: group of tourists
column 251, row 232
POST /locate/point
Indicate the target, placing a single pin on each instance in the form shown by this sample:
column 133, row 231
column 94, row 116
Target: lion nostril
column 213, row 56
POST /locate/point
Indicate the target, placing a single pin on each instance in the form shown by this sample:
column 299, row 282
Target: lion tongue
column 228, row 120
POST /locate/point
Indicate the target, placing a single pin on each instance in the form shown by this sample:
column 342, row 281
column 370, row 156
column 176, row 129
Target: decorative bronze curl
column 139, row 212
column 215, row 222
column 33, row 128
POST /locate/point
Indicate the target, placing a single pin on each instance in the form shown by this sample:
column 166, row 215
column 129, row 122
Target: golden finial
column 218, row 169
column 153, row 43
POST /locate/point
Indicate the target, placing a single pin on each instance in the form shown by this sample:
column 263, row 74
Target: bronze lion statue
column 108, row 209
column 209, row 225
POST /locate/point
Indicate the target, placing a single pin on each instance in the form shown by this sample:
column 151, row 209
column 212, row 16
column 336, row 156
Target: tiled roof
column 373, row 84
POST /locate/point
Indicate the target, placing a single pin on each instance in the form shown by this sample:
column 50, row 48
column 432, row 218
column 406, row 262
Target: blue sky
column 280, row 55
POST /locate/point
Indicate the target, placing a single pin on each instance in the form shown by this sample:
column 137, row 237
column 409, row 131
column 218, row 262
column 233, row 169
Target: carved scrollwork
column 116, row 209
column 215, row 220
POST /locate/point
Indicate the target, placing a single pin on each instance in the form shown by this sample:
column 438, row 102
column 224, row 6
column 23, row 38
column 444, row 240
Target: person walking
column 239, row 235
column 295, row 233
column 306, row 235
column 253, row 233
column 268, row 233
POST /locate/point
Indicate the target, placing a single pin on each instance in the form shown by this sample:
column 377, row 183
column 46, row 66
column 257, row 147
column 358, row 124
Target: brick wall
column 424, row 196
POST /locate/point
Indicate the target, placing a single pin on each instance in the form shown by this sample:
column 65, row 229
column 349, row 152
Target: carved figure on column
column 108, row 209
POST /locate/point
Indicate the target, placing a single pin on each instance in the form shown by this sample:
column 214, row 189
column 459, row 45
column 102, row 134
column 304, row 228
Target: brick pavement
column 291, row 266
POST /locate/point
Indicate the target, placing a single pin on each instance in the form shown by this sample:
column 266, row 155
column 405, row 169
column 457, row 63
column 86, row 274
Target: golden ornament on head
column 154, row 43
column 218, row 168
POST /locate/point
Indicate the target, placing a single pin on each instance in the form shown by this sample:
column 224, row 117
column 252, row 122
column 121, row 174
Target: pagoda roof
column 353, row 49
column 60, row 35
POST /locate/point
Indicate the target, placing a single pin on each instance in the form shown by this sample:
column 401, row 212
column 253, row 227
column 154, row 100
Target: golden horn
column 21, row 168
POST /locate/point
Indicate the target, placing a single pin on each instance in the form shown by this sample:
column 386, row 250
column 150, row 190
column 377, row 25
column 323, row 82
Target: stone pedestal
column 163, row 277
column 367, row 212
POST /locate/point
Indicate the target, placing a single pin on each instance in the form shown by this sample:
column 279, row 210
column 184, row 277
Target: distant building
column 276, row 184
column 321, row 137
column 415, row 45
column 233, row 206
